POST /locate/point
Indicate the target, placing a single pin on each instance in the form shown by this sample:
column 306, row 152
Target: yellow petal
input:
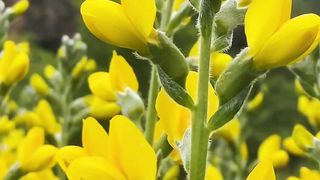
column 17, row 70
column 121, row 74
column 130, row 151
column 280, row 159
column 268, row 147
column 42, row 158
column 174, row 118
column 213, row 173
column 302, row 137
column 91, row 167
column 39, row 84
column 100, row 85
column 108, row 21
column 192, row 86
column 307, row 174
column 231, row 130
column 33, row 140
column 300, row 32
column 263, row 19
column 263, row 171
column 219, row 62
column 80, row 67
column 255, row 102
column 46, row 115
column 95, row 139
column 291, row 146
column 101, row 109
column 68, row 154
column 142, row 14
column 20, row 7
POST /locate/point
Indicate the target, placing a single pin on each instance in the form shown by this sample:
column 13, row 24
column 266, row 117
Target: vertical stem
column 152, row 114
column 166, row 15
column 200, row 133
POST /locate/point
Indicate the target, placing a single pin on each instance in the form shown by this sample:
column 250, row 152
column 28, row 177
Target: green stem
column 152, row 114
column 200, row 132
column 166, row 15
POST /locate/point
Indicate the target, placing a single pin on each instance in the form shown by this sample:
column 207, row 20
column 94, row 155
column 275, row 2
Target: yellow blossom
column 231, row 130
column 46, row 174
column 268, row 34
column 256, row 102
column 6, row 125
column 33, row 154
column 263, row 171
column 270, row 150
column 213, row 173
column 291, row 146
column 128, row 25
column 121, row 154
column 302, row 137
column 102, row 109
column 47, row 117
column 50, row 71
column 306, row 174
column 310, row 108
column 39, row 84
column 14, row 64
column 174, row 118
column 20, row 7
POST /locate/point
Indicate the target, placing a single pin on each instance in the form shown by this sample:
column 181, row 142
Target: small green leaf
column 227, row 111
column 166, row 54
column 175, row 91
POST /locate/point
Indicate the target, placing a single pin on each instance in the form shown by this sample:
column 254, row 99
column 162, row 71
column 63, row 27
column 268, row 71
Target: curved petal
column 66, row 155
column 92, row 167
column 173, row 118
column 263, row 171
column 130, row 151
column 95, row 139
column 268, row 147
column 122, row 74
column 263, row 19
column 101, row 86
column 290, row 42
column 191, row 86
column 142, row 14
column 108, row 21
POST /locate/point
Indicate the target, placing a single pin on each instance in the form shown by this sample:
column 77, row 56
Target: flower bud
column 39, row 84
column 302, row 137
column 20, row 7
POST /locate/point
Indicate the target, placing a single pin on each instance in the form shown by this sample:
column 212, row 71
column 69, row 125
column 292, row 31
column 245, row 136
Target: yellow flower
column 121, row 154
column 20, row 7
column 270, row 150
column 268, row 34
column 306, row 174
column 50, row 71
column 302, row 137
column 102, row 109
column 128, row 25
column 213, row 173
column 14, row 63
column 218, row 61
column 46, row 174
column 256, row 102
column 6, row 125
column 174, row 118
column 263, row 171
column 33, row 154
column 291, row 146
column 298, row 87
column 231, row 130
column 39, row 84
column 3, row 168
column 310, row 108
column 47, row 117
column 79, row 68
column 120, row 76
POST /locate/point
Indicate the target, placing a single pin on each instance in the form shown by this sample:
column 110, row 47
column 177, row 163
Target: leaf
column 227, row 111
column 175, row 91
column 166, row 54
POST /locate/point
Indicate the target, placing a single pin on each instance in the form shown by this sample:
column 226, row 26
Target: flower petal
column 130, row 151
column 263, row 19
column 101, row 86
column 263, row 171
column 291, row 42
column 95, row 139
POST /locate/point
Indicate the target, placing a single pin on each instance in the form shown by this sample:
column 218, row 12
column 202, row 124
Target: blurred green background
column 47, row 20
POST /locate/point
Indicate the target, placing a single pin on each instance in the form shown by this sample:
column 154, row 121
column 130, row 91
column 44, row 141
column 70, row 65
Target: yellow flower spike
column 121, row 74
column 270, row 150
column 95, row 140
column 101, row 86
column 212, row 173
column 302, row 33
column 50, row 71
column 46, row 115
column 39, row 84
column 219, row 62
column 263, row 171
column 174, row 118
column 103, row 109
column 6, row 125
column 91, row 65
column 80, row 67
column 260, row 24
column 126, row 142
column 92, row 167
column 68, row 154
column 17, row 69
column 20, row 7
column 230, row 131
column 33, row 155
column 255, row 102
column 132, row 21
column 291, row 146
column 302, row 137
